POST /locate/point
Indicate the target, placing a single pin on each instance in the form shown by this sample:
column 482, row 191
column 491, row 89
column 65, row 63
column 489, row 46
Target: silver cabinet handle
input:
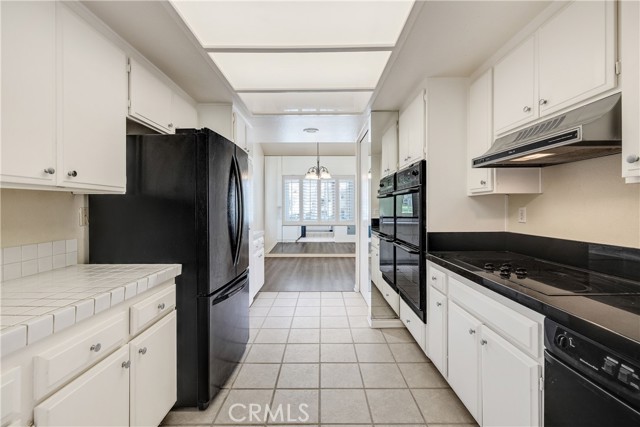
column 408, row 321
column 126, row 364
column 434, row 278
column 161, row 306
column 72, row 174
column 96, row 347
column 170, row 125
column 526, row 109
column 438, row 303
column 543, row 101
column 483, row 182
column 386, row 295
column 632, row 158
column 50, row 171
column 143, row 350
column 472, row 331
column 483, row 342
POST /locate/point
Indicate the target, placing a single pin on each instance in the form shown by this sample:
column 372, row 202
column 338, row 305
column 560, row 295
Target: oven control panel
column 616, row 373
column 411, row 176
column 387, row 185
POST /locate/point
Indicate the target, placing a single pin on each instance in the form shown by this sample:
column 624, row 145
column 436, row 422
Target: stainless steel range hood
column 593, row 130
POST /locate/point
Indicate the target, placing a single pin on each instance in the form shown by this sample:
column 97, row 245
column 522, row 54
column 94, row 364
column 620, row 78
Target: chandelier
column 317, row 171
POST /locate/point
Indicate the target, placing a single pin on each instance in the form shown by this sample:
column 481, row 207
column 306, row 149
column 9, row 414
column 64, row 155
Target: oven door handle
column 406, row 248
column 407, row 191
column 387, row 239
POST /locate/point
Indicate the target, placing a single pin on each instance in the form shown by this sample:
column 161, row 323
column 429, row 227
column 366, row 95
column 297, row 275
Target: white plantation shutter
column 328, row 200
column 309, row 200
column 347, row 198
column 292, row 199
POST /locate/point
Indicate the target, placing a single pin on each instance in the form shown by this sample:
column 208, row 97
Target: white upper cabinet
column 411, row 132
column 28, row 92
column 570, row 58
column 514, row 88
column 183, row 114
column 576, row 54
column 389, row 158
column 150, row 98
column 93, row 151
column 479, row 139
column 241, row 132
column 630, row 56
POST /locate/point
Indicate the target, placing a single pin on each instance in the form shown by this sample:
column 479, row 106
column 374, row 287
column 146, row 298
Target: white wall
column 258, row 188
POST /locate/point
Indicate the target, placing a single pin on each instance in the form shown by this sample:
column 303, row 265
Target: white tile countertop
column 34, row 307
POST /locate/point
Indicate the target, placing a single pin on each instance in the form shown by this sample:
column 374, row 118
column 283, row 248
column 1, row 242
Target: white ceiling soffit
column 302, row 71
column 284, row 149
column 295, row 24
column 289, row 129
column 306, row 102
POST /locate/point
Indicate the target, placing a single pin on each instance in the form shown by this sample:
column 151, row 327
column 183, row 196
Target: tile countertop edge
column 38, row 327
column 597, row 332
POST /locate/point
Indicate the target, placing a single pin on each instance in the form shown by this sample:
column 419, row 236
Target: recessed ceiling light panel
column 306, row 102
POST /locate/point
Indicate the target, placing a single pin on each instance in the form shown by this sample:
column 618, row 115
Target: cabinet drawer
column 517, row 328
column 391, row 296
column 148, row 311
column 413, row 324
column 10, row 392
column 61, row 363
column 437, row 278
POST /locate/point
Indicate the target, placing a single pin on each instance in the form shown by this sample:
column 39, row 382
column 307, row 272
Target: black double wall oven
column 387, row 229
column 410, row 238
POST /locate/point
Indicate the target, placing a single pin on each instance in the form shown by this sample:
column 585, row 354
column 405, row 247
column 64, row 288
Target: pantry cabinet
column 389, row 157
column 411, row 132
column 569, row 59
column 480, row 137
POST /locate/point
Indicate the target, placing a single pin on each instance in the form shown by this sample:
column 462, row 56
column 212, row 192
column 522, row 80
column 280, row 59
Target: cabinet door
column 510, row 383
column 153, row 372
column 630, row 54
column 150, row 98
column 412, row 322
column 514, row 98
column 28, row 92
column 464, row 357
column 389, row 158
column 576, row 54
column 480, row 132
column 411, row 131
column 437, row 324
column 100, row 397
column 183, row 114
column 91, row 148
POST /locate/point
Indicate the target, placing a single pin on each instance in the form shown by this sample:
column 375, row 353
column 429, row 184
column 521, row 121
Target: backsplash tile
column 27, row 260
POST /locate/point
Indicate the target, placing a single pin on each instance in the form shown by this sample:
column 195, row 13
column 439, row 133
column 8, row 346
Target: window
column 329, row 201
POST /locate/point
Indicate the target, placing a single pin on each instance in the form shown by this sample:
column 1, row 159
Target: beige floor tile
column 332, row 302
column 347, row 295
column 315, row 302
column 371, row 353
column 452, row 425
column 259, row 311
column 334, row 322
column 399, row 335
column 235, row 409
column 288, row 294
column 330, row 294
column 304, row 336
column 265, row 353
column 393, row 406
column 247, row 349
column 193, row 416
column 232, row 377
column 262, row 302
column 299, row 375
column 282, row 311
column 335, row 336
column 337, row 353
column 422, row 375
column 309, row 295
column 357, row 311
column 272, row 336
column 441, row 405
column 257, row 376
column 284, row 302
column 298, row 406
column 305, row 322
column 353, row 302
column 382, row 375
column 344, row 406
column 267, row 295
column 358, row 321
column 253, row 333
column 367, row 335
column 256, row 322
column 302, row 353
column 307, row 311
column 333, row 311
column 277, row 322
column 340, row 375
column 408, row 352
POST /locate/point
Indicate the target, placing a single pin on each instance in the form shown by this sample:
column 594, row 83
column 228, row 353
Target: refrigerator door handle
column 230, row 293
column 234, row 193
column 240, row 201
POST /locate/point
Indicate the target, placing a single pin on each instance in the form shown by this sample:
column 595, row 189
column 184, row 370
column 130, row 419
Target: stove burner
column 521, row 273
column 489, row 267
column 506, row 265
column 505, row 272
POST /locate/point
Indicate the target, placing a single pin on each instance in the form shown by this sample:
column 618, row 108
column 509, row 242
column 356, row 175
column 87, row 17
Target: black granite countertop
column 612, row 320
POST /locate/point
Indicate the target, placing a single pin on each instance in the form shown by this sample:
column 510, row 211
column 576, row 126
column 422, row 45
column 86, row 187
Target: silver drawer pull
column 438, row 304
column 526, row 109
column 408, row 321
column 161, row 306
column 387, row 294
column 543, row 102
column 143, row 350
column 126, row 364
column 472, row 331
column 96, row 347
column 72, row 174
column 50, row 171
column 434, row 278
column 483, row 342
column 632, row 158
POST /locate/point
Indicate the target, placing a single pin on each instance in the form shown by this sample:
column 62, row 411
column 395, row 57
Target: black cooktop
column 545, row 277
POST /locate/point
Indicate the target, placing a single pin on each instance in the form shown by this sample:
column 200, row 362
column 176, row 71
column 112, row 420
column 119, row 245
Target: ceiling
column 338, row 73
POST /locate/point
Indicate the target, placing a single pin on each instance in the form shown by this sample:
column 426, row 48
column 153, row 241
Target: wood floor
column 309, row 274
column 314, row 248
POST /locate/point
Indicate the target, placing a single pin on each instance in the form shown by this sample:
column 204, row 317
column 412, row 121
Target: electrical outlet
column 522, row 215
column 83, row 215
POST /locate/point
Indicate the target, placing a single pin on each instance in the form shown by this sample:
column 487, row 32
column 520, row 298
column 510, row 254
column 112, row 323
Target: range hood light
column 532, row 157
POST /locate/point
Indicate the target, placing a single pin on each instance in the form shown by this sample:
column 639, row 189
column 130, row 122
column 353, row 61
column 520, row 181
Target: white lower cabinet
column 10, row 397
column 153, row 373
column 414, row 325
column 437, row 336
column 100, row 397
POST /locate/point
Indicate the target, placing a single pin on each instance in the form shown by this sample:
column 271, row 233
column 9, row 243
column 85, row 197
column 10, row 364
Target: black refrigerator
column 185, row 203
